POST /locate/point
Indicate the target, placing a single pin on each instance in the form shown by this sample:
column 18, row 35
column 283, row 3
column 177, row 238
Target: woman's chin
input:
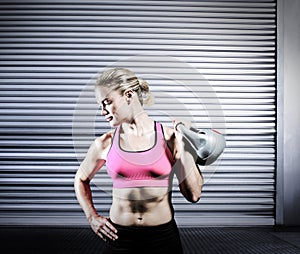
column 113, row 123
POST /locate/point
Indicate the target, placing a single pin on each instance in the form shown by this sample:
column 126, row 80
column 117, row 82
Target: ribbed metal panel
column 211, row 62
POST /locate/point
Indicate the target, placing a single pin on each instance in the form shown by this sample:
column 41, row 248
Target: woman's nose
column 103, row 111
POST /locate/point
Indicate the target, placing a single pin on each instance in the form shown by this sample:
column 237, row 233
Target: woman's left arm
column 187, row 171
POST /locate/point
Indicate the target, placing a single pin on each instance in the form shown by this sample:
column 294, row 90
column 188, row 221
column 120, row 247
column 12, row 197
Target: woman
column 142, row 157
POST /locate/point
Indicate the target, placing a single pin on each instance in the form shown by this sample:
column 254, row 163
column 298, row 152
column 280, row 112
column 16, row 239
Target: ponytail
column 147, row 96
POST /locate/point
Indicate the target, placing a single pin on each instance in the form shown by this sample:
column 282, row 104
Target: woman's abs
column 141, row 207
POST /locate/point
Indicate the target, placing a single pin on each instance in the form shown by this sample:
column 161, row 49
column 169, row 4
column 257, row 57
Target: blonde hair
column 122, row 79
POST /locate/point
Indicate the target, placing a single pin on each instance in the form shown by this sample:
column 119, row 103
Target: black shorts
column 162, row 239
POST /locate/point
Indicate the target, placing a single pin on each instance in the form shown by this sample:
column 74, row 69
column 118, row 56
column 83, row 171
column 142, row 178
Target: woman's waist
column 141, row 220
column 135, row 228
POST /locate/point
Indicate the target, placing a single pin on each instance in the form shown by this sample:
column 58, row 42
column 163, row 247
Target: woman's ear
column 128, row 93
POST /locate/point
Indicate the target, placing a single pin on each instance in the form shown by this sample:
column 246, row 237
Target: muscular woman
column 141, row 156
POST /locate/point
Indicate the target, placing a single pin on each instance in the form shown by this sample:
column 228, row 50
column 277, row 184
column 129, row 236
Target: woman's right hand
column 103, row 228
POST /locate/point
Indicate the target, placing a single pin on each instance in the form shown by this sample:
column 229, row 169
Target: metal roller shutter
column 211, row 62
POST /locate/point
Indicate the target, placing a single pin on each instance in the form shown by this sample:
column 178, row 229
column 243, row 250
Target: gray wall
column 50, row 51
column 288, row 174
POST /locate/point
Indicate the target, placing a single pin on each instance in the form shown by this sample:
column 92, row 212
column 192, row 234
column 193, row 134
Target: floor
column 211, row 240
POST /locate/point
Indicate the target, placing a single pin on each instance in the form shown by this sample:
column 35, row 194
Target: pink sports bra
column 149, row 168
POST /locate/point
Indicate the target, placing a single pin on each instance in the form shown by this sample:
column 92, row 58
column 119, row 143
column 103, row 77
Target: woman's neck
column 140, row 125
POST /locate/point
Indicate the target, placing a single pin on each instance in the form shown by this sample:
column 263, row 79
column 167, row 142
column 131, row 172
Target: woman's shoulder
column 104, row 141
column 168, row 133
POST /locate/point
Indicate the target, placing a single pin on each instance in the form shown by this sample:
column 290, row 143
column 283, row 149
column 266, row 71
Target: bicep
column 91, row 163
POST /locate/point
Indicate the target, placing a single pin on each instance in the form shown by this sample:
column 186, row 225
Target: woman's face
column 113, row 105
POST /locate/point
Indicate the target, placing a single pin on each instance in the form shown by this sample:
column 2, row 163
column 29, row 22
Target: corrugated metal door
column 210, row 62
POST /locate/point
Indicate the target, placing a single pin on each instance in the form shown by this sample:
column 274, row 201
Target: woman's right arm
column 92, row 163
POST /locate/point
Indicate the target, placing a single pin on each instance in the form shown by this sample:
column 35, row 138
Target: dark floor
column 195, row 240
